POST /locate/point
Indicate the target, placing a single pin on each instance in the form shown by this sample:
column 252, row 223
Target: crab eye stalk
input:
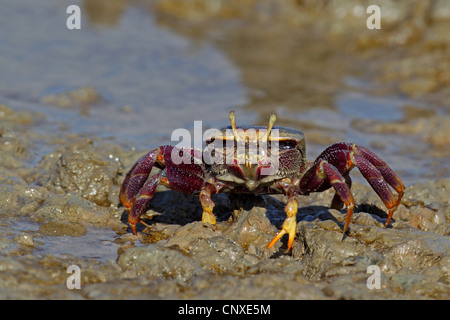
column 237, row 136
column 272, row 120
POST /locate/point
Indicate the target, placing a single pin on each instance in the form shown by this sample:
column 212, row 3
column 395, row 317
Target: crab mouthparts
column 251, row 185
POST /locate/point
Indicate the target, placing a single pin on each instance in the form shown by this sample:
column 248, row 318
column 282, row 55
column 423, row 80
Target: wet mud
column 70, row 198
column 64, row 154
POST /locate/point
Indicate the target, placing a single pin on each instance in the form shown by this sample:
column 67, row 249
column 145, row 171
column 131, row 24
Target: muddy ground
column 69, row 200
column 64, row 154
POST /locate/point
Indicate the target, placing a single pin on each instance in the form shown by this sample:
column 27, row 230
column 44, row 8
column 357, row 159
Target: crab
column 280, row 168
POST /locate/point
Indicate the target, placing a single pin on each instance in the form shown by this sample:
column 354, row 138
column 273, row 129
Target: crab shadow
column 171, row 207
column 323, row 213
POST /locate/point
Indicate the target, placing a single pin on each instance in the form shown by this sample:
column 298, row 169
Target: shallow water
column 151, row 80
column 163, row 78
column 135, row 72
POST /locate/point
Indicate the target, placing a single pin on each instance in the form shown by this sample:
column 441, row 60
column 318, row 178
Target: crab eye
column 287, row 144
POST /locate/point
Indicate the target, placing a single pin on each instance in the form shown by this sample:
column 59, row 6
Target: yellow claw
column 209, row 217
column 289, row 225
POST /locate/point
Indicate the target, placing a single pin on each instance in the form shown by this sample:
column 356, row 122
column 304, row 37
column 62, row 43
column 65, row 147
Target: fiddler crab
column 279, row 167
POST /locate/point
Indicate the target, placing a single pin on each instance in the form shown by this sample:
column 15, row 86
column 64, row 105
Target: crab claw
column 133, row 228
column 289, row 225
column 132, row 221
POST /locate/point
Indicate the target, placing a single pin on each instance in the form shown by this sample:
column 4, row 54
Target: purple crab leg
column 344, row 157
column 340, row 186
column 138, row 187
column 325, row 173
column 379, row 184
column 376, row 164
column 136, row 177
column 142, row 200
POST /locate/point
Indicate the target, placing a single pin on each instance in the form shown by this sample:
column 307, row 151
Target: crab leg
column 341, row 187
column 377, row 172
column 207, row 204
column 137, row 176
column 322, row 172
column 337, row 202
column 142, row 200
column 289, row 224
column 344, row 157
column 138, row 188
column 378, row 184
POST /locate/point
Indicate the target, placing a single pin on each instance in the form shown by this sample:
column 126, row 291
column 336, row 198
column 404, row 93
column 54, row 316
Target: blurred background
column 137, row 70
